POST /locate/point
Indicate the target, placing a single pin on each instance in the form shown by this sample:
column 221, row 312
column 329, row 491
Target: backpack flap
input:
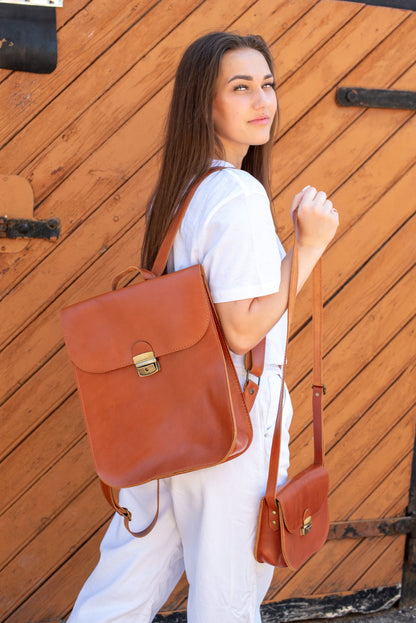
column 108, row 332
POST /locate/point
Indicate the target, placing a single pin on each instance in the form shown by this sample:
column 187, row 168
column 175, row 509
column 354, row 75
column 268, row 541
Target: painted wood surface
column 88, row 139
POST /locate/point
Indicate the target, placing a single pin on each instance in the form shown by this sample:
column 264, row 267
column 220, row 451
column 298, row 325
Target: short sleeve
column 239, row 249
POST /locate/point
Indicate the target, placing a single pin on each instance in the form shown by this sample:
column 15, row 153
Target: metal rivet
column 274, row 512
column 24, row 227
column 273, row 523
column 317, row 394
column 251, row 390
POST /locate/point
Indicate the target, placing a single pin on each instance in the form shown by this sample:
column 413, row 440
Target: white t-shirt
column 228, row 228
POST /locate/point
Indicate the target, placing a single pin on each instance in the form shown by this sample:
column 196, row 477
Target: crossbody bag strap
column 317, row 388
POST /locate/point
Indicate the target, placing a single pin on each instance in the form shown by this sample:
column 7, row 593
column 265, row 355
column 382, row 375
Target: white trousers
column 206, row 526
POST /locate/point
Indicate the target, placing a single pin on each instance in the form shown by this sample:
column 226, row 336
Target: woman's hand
column 317, row 218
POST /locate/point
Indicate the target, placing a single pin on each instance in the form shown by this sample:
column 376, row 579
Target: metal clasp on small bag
column 146, row 364
column 307, row 525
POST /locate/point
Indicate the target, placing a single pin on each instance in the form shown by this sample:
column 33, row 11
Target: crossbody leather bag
column 293, row 521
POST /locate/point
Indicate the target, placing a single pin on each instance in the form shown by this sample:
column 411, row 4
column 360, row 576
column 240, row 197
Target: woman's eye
column 240, row 87
column 270, row 85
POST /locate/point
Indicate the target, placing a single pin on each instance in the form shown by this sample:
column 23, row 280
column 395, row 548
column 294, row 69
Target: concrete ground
column 392, row 615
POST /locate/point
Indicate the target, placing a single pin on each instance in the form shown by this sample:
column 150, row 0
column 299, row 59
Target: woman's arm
column 247, row 321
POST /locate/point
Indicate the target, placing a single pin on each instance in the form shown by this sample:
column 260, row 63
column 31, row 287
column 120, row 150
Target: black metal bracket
column 26, row 228
column 376, row 98
column 362, row 528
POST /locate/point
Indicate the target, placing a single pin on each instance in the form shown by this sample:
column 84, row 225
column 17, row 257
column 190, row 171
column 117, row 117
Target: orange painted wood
column 124, row 137
column 378, row 463
column 68, row 11
column 304, row 38
column 92, row 29
column 361, row 344
column 387, row 568
column 333, row 60
column 40, row 451
column 360, row 560
column 56, row 596
column 123, row 58
column 28, row 406
column 25, row 573
column 346, row 407
column 322, row 123
column 360, row 294
column 354, row 189
column 352, row 421
column 52, row 491
column 390, row 497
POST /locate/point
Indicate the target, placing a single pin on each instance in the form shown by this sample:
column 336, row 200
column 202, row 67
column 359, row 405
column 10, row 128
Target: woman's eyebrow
column 241, row 77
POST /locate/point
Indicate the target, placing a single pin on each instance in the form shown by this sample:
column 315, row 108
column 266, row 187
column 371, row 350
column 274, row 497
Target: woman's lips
column 260, row 120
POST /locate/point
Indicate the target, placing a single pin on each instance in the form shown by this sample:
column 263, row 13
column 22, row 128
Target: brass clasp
column 307, row 525
column 146, row 364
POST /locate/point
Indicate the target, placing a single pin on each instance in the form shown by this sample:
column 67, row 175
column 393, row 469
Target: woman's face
column 245, row 103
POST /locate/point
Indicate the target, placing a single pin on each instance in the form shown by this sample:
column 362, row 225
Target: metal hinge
column 27, row 228
column 376, row 98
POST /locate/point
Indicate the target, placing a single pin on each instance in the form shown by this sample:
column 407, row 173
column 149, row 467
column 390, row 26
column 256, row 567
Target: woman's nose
column 259, row 98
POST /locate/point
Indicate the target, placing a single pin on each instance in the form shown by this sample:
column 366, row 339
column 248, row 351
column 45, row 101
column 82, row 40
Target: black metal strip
column 376, row 98
column 364, row 528
column 409, row 565
column 26, row 228
column 410, row 5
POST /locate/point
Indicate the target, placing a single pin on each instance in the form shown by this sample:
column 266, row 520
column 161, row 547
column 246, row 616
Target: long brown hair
column 191, row 143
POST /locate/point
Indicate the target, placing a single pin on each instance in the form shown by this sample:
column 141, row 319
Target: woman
column 223, row 113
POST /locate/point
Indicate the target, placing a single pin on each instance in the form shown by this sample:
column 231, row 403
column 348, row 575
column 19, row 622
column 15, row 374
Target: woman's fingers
column 318, row 219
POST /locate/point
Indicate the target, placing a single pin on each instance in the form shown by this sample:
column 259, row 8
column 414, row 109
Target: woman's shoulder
column 223, row 196
column 233, row 181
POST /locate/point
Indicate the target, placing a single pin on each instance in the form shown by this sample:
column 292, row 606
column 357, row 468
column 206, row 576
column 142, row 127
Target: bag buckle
column 307, row 525
column 146, row 364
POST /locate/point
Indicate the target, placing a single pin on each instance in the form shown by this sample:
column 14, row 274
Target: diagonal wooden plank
column 93, row 28
column 363, row 391
column 378, row 463
column 393, row 491
column 327, row 66
column 386, row 568
column 24, row 574
column 363, row 342
column 40, row 451
column 374, row 425
column 377, row 263
column 55, row 597
column 351, row 572
column 386, row 66
column 46, row 498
